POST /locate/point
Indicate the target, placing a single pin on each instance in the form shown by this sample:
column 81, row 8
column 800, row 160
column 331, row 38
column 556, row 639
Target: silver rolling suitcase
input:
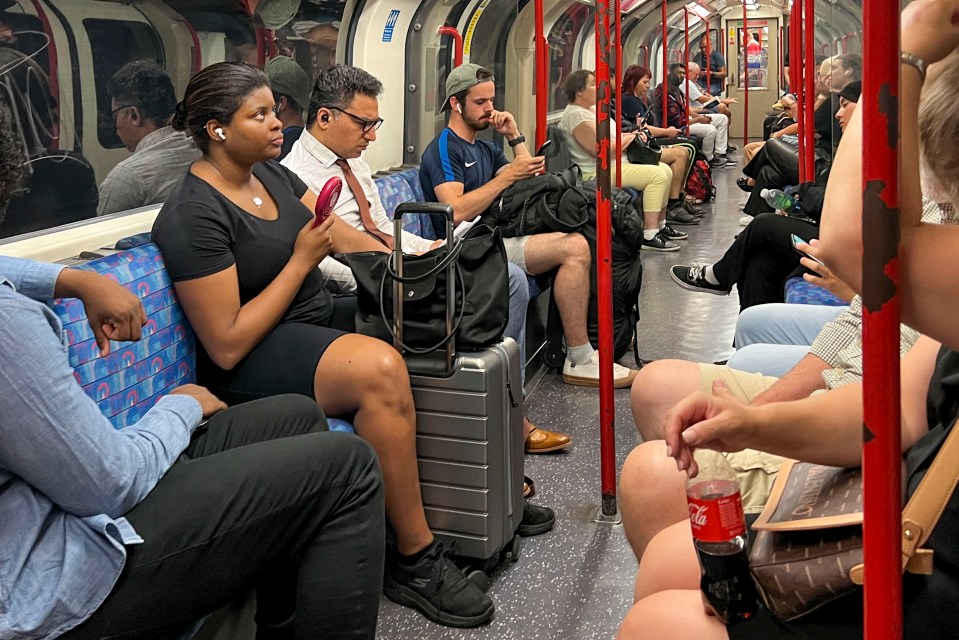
column 469, row 431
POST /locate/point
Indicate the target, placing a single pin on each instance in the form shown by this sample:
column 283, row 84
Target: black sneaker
column 659, row 243
column 438, row 589
column 536, row 520
column 690, row 208
column 717, row 162
column 727, row 161
column 694, row 279
column 679, row 216
column 672, row 234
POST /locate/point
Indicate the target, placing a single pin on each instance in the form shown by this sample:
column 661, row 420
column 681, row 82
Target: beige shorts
column 756, row 469
column 516, row 251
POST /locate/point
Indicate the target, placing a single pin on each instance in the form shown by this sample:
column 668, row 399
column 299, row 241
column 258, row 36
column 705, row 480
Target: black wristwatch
column 517, row 140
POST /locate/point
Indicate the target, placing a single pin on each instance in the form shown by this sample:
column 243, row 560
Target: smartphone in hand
column 543, row 147
column 326, row 200
column 795, row 241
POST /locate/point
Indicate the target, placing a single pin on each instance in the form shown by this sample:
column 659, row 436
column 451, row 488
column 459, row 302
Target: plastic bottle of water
column 778, row 199
column 719, row 534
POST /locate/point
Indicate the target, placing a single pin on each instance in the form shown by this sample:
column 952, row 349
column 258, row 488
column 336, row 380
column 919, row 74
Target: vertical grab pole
column 618, row 70
column 457, row 43
column 809, row 80
column 666, row 70
column 604, row 267
column 882, row 448
column 797, row 65
column 542, row 72
column 686, row 56
column 745, row 79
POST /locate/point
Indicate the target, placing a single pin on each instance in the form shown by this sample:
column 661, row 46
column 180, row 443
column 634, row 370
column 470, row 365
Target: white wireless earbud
column 219, row 133
column 459, row 108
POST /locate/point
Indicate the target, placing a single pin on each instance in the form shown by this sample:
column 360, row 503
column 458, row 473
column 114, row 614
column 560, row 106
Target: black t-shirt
column 826, row 124
column 201, row 232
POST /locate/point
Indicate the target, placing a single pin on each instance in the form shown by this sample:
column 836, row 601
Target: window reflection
column 562, row 40
column 56, row 62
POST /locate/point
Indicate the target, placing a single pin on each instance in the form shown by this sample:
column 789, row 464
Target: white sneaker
column 744, row 220
column 587, row 375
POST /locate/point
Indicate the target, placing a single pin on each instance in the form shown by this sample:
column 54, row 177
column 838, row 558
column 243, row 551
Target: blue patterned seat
column 412, row 176
column 798, row 291
column 128, row 382
column 394, row 191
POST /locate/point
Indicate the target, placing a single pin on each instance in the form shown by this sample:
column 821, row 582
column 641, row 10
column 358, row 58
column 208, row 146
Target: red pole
column 618, row 22
column 665, row 68
column 882, row 446
column 604, row 267
column 809, row 31
column 457, row 43
column 745, row 79
column 798, row 71
column 686, row 56
column 542, row 72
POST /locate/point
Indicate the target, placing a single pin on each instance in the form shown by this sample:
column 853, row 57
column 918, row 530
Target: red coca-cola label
column 716, row 516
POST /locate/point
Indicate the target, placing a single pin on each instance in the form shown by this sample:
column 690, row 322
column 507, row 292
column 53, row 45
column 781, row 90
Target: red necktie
column 363, row 204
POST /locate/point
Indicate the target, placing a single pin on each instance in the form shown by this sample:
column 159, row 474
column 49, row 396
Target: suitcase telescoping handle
column 422, row 208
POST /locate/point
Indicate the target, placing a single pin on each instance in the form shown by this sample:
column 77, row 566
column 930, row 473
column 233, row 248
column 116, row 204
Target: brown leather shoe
column 543, row 441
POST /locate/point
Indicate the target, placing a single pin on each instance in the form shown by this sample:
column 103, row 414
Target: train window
column 563, row 42
column 114, row 43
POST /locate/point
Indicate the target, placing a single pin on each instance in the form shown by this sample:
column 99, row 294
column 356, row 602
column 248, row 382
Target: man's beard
column 476, row 125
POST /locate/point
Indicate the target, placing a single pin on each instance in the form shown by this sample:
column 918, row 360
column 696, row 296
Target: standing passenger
column 242, row 251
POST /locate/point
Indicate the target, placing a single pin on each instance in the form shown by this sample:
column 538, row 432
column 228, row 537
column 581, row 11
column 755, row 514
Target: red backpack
column 700, row 182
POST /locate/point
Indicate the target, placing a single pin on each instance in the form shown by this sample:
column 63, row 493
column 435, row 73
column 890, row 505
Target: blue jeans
column 771, row 338
column 518, row 302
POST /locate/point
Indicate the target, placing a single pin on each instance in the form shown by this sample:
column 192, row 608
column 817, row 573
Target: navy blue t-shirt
column 449, row 158
column 716, row 62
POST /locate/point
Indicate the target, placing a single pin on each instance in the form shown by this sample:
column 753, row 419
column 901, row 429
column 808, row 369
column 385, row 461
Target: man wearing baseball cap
column 291, row 92
column 469, row 174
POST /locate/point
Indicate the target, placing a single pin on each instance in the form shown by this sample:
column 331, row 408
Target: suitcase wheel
column 513, row 549
column 479, row 577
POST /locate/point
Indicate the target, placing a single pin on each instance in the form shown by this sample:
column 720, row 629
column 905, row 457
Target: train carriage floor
column 576, row 582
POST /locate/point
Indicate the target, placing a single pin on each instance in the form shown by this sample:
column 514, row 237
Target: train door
column 760, row 66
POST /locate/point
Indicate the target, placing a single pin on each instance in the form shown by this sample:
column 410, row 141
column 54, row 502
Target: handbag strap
column 925, row 507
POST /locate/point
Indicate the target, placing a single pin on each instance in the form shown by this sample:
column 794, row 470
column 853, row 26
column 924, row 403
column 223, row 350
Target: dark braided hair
column 215, row 93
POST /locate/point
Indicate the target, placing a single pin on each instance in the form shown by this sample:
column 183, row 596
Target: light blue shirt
column 67, row 476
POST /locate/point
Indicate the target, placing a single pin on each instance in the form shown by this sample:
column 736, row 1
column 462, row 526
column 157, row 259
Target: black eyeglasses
column 367, row 125
column 113, row 114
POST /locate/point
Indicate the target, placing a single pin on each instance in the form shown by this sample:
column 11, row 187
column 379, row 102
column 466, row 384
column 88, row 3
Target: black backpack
column 540, row 204
column 627, row 278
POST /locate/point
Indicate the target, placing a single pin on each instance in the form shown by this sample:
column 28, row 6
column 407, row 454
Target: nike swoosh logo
column 470, row 164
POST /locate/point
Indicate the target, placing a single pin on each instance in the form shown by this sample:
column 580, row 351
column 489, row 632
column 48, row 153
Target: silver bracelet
column 915, row 61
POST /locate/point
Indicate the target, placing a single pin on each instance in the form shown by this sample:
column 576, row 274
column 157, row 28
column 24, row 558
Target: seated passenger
column 828, row 429
column 718, row 116
column 778, row 123
column 679, row 157
column 333, row 145
column 777, row 164
column 655, row 180
column 697, row 125
column 131, row 533
column 142, row 100
column 469, row 174
column 762, row 256
column 238, row 239
column 291, row 92
column 704, row 98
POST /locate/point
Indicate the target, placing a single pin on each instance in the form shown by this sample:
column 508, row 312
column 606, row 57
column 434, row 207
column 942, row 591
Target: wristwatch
column 915, row 61
column 517, row 140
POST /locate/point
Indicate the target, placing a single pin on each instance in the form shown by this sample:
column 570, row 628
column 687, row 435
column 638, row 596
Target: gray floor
column 576, row 581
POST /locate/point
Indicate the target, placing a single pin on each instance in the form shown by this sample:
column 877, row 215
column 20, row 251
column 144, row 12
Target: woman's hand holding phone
column 824, row 277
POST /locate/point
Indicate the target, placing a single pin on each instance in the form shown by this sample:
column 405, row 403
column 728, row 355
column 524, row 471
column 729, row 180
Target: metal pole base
column 607, row 513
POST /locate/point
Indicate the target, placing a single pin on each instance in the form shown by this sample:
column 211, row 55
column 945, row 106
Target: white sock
column 649, row 234
column 581, row 354
column 710, row 276
column 662, row 225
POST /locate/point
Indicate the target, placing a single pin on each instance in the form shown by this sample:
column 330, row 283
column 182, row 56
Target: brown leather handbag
column 808, row 549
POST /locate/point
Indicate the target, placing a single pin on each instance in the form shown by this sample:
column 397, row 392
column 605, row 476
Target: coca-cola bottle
column 719, row 533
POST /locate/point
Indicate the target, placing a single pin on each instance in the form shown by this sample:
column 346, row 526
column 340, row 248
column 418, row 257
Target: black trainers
column 536, row 520
column 672, row 234
column 659, row 243
column 727, row 161
column 717, row 162
column 694, row 279
column 438, row 589
column 690, row 208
